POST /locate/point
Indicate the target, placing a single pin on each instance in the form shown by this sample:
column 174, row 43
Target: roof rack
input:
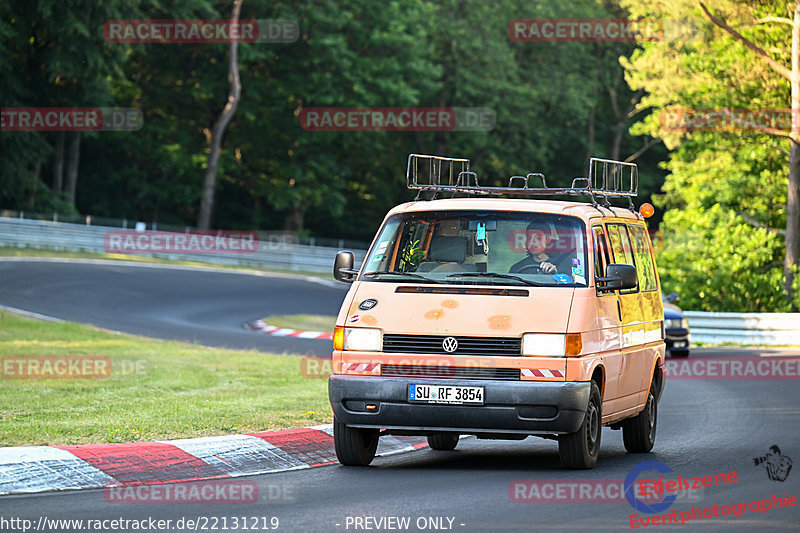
column 606, row 178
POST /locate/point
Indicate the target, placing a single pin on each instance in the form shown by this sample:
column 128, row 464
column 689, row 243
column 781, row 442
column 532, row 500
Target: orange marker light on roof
column 646, row 210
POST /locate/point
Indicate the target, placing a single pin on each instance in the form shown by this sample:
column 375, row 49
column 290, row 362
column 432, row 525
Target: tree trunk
column 294, row 219
column 616, row 141
column 58, row 165
column 792, row 239
column 72, row 168
column 218, row 131
column 37, row 172
column 590, row 136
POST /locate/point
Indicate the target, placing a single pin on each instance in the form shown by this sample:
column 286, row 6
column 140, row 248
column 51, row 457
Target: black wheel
column 354, row 446
column 580, row 450
column 443, row 441
column 639, row 432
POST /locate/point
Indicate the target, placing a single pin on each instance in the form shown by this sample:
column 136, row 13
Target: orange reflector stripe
column 362, row 369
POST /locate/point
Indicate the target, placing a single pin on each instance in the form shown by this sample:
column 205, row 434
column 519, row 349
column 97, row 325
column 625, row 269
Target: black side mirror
column 619, row 277
column 343, row 267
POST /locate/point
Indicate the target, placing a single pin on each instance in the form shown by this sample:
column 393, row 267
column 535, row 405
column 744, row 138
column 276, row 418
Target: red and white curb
column 48, row 468
column 260, row 325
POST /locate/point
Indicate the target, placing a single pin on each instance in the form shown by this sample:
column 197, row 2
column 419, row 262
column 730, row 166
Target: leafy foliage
column 273, row 173
column 725, row 194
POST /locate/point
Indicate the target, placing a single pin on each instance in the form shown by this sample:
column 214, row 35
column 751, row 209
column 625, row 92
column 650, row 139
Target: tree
column 792, row 233
column 724, row 183
column 271, row 173
column 54, row 55
column 217, row 132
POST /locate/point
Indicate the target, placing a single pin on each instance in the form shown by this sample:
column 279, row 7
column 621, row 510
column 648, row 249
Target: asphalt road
column 202, row 306
column 704, row 428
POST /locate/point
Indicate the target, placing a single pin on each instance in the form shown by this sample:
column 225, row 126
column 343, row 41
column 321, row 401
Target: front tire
column 354, row 446
column 443, row 441
column 580, row 450
column 639, row 432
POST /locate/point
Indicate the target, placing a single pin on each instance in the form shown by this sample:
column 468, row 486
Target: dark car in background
column 676, row 328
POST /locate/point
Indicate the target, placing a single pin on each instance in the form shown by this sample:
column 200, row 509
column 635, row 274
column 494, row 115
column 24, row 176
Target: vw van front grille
column 450, row 372
column 433, row 344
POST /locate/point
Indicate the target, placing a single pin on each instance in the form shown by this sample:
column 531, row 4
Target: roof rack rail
column 606, row 178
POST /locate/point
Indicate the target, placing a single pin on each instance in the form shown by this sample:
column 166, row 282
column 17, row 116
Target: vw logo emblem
column 450, row 344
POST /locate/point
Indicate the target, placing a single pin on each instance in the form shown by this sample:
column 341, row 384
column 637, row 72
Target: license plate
column 679, row 344
column 449, row 394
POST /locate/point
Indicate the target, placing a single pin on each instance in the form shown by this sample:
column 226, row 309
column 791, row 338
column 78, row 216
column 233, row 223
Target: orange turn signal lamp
column 646, row 210
column 574, row 345
column 338, row 338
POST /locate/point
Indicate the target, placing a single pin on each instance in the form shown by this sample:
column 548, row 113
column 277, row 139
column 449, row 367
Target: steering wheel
column 536, row 268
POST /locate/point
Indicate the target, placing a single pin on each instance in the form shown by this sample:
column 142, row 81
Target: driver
column 537, row 259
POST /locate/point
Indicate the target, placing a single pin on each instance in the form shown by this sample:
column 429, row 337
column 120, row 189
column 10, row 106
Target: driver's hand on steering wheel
column 547, row 267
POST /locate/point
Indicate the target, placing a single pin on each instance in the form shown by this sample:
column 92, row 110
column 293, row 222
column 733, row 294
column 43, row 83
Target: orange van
column 501, row 317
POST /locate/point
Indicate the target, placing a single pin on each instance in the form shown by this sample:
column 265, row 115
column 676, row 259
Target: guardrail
column 744, row 328
column 274, row 252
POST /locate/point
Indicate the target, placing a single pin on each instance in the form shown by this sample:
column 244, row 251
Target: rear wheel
column 354, row 446
column 639, row 432
column 580, row 450
column 443, row 441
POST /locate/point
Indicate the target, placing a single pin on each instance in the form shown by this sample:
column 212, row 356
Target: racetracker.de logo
column 55, row 367
column 70, row 119
column 203, row 492
column 315, row 367
column 559, row 30
column 727, row 368
column 587, row 490
column 201, row 31
column 194, row 242
column 397, row 119
column 727, row 120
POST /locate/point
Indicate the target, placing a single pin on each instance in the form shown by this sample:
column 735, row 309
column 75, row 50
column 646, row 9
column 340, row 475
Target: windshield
column 480, row 248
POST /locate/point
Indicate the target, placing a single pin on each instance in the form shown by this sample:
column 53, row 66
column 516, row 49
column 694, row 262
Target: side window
column 620, row 244
column 600, row 252
column 644, row 259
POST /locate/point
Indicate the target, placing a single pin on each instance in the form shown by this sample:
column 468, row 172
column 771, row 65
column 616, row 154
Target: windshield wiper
column 398, row 273
column 496, row 275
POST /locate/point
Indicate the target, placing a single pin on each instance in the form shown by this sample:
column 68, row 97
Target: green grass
column 157, row 389
column 7, row 251
column 322, row 323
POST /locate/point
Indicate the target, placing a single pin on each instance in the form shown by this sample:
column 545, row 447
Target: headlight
column 684, row 323
column 363, row 339
column 552, row 344
column 673, row 323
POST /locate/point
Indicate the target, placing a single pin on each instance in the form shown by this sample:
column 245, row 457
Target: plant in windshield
column 412, row 256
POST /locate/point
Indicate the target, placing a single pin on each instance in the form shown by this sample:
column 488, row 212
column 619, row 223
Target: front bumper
column 678, row 339
column 522, row 407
